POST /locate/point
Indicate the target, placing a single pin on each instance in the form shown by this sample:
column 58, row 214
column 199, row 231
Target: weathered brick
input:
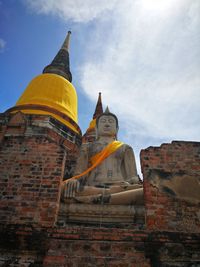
column 165, row 212
column 27, row 158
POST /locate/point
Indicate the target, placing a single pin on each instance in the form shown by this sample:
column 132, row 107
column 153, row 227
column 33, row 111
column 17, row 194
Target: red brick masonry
column 33, row 157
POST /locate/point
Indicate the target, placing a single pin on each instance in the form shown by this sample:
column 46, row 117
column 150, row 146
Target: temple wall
column 75, row 245
column 30, row 194
column 172, row 186
column 32, row 161
column 94, row 246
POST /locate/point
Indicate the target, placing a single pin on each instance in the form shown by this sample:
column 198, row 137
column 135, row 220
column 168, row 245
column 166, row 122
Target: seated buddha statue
column 105, row 171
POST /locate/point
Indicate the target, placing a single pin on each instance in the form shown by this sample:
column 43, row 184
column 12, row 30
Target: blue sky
column 143, row 55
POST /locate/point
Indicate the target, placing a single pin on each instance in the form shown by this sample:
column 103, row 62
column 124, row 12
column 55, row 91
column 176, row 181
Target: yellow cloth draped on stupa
column 53, row 91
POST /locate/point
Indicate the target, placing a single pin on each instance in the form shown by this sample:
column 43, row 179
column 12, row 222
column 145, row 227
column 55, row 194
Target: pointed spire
column 107, row 111
column 60, row 64
column 66, row 42
column 90, row 134
column 99, row 107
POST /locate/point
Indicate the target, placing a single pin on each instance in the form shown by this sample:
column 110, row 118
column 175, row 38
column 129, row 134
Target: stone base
column 101, row 214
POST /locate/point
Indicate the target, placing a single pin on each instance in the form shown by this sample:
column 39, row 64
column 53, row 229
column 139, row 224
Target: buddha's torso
column 110, row 170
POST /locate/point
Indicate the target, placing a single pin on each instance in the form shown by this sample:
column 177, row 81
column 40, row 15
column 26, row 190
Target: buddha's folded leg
column 89, row 191
column 123, row 187
column 92, row 195
column 93, row 190
column 93, row 199
column 128, row 197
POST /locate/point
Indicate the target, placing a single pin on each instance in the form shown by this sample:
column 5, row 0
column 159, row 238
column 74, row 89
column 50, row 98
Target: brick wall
column 92, row 246
column 73, row 245
column 33, row 155
column 96, row 247
column 31, row 170
column 170, row 171
column 32, row 163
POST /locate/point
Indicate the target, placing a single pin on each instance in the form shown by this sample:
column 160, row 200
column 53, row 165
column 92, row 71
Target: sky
column 142, row 55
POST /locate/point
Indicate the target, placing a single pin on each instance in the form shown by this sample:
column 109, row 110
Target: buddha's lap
column 93, row 190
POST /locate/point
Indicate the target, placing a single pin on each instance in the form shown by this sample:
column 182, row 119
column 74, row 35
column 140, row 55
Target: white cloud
column 76, row 10
column 149, row 68
column 2, row 45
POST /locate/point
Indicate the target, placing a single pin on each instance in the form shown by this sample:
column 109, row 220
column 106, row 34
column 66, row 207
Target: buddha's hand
column 71, row 187
column 134, row 180
column 124, row 184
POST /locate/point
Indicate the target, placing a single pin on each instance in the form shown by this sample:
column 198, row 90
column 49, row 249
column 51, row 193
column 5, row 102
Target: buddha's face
column 107, row 126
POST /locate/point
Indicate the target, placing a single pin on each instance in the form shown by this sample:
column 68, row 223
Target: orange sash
column 99, row 157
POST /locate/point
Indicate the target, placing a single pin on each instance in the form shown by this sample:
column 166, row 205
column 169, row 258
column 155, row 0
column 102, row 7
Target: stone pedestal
column 90, row 213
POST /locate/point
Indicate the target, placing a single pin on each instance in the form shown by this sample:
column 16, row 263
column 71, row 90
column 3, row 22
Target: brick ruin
column 34, row 157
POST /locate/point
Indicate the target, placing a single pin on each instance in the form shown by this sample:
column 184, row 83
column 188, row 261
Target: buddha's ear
column 116, row 136
column 96, row 133
column 117, row 132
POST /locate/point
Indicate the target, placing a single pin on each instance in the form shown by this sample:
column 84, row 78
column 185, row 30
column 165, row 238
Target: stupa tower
column 52, row 93
column 89, row 135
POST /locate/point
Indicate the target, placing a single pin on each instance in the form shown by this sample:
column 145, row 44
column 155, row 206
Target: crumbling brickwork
column 32, row 162
column 171, row 186
column 73, row 245
column 30, row 193
column 34, row 157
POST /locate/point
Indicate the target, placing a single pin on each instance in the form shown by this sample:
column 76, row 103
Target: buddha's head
column 107, row 124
